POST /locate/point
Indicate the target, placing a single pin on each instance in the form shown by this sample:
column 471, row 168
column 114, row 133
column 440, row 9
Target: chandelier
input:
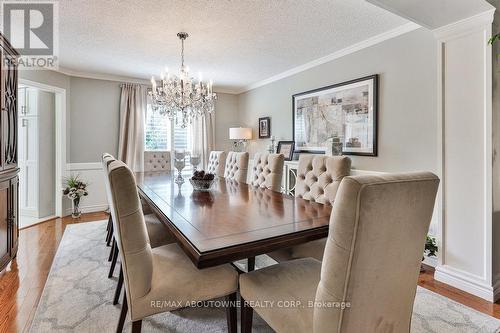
column 182, row 98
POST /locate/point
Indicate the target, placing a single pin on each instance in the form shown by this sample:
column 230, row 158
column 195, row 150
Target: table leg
column 251, row 264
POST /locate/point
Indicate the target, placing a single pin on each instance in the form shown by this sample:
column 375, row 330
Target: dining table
column 231, row 221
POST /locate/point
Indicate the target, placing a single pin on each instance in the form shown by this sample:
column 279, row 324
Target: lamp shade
column 240, row 133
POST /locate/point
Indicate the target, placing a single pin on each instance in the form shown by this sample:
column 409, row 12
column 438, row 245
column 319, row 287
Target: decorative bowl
column 202, row 184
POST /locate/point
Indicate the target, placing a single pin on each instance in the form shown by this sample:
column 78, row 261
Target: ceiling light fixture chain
column 182, row 98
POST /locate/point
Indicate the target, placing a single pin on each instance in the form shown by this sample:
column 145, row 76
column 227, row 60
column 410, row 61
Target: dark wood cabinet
column 9, row 180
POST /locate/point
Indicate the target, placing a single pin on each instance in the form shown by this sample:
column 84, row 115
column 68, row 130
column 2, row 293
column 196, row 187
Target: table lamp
column 240, row 135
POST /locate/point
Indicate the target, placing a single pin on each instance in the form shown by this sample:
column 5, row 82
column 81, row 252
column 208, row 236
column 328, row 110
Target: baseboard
column 464, row 281
column 431, row 261
column 90, row 209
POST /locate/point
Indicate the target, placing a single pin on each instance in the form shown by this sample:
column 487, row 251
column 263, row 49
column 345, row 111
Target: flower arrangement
column 75, row 189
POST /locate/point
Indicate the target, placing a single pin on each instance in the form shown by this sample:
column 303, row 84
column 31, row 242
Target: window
column 163, row 134
column 157, row 131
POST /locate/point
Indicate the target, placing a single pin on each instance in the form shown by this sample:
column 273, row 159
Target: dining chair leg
column 251, row 264
column 110, row 235
column 112, row 250
column 246, row 317
column 123, row 314
column 108, row 229
column 113, row 262
column 118, row 287
column 136, row 326
column 231, row 315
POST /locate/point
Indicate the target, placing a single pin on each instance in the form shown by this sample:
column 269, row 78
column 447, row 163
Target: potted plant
column 75, row 189
column 430, row 248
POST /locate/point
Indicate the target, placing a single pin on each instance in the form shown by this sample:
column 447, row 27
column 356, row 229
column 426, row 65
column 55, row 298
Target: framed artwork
column 286, row 148
column 264, row 128
column 345, row 111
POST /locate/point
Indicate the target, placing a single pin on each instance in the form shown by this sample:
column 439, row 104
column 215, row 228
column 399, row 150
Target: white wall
column 407, row 107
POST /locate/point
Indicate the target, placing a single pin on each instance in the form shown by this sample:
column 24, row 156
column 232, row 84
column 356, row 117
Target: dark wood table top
column 233, row 221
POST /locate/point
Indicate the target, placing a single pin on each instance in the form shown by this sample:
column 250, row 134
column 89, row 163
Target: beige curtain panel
column 203, row 136
column 133, row 103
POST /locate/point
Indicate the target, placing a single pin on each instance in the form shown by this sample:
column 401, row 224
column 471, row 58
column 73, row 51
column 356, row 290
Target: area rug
column 78, row 298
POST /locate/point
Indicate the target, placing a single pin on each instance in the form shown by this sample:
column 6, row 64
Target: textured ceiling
column 236, row 43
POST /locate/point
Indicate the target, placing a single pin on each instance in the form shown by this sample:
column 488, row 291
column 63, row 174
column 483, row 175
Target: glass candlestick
column 195, row 161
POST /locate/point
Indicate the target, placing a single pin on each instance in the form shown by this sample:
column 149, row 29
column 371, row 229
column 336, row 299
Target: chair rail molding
column 91, row 172
column 465, row 157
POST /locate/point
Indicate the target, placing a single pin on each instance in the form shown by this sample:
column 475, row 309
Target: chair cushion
column 268, row 171
column 217, row 163
column 236, row 166
column 314, row 249
column 296, row 281
column 156, row 161
column 158, row 234
column 176, row 279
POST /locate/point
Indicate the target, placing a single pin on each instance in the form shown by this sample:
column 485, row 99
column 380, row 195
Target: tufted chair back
column 268, row 171
column 374, row 215
column 319, row 176
column 157, row 161
column 130, row 231
column 216, row 163
column 236, row 166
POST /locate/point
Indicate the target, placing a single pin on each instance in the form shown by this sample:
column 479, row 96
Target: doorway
column 41, row 114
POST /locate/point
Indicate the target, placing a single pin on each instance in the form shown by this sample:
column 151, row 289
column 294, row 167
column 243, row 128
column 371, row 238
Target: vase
column 76, row 212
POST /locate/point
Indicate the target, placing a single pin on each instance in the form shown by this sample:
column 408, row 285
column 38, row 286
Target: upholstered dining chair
column 268, row 171
column 368, row 278
column 164, row 273
column 217, row 163
column 236, row 167
column 158, row 234
column 318, row 179
column 157, row 161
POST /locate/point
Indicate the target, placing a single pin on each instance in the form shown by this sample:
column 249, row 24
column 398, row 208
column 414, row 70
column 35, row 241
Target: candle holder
column 195, row 161
column 179, row 164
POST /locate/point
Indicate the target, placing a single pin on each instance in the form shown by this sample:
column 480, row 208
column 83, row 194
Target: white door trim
column 60, row 126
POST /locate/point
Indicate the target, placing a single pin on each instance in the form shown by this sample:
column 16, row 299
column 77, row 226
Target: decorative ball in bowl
column 202, row 181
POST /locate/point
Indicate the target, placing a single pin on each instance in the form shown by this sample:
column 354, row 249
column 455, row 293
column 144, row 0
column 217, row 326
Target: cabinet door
column 5, row 240
column 13, row 215
column 9, row 112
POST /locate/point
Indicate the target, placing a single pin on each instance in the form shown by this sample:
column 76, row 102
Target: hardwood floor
column 21, row 284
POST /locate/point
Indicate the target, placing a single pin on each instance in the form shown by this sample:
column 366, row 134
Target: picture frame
column 286, row 148
column 347, row 110
column 264, row 128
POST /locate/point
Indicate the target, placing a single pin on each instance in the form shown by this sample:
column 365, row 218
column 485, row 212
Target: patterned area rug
column 78, row 298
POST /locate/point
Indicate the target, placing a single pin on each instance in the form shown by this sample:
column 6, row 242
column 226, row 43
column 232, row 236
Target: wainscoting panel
column 91, row 173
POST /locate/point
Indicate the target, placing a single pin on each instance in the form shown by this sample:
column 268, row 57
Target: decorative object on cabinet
column 9, row 179
column 240, row 136
column 286, row 148
column 272, row 146
column 75, row 190
column 347, row 110
column 334, row 146
column 264, row 128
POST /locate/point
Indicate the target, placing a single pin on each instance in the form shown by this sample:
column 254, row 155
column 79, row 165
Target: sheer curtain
column 203, row 136
column 133, row 103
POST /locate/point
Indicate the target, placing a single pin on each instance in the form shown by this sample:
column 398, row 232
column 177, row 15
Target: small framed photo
column 264, row 128
column 286, row 148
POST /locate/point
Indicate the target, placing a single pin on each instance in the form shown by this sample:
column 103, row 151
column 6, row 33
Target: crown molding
column 118, row 78
column 465, row 26
column 99, row 76
column 408, row 27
